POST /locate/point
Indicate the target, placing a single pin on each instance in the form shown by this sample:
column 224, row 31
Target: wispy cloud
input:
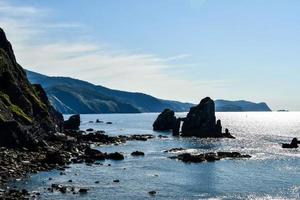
column 99, row 63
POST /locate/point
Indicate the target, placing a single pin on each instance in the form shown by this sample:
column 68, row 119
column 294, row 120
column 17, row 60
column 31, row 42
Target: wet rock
column 116, row 181
column 232, row 155
column 165, row 121
column 108, row 122
column 152, row 193
column 176, row 128
column 83, row 190
column 163, row 136
column 293, row 144
column 94, row 154
column 89, row 129
column 115, row 156
column 143, row 137
column 174, row 150
column 98, row 121
column 137, row 153
column 72, row 123
column 209, row 157
column 54, row 157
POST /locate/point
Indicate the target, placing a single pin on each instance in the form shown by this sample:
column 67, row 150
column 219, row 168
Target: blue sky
column 175, row 49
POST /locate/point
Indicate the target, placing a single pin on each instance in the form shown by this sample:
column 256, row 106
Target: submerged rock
column 165, row 121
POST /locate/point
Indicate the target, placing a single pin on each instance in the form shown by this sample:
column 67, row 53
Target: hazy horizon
column 171, row 49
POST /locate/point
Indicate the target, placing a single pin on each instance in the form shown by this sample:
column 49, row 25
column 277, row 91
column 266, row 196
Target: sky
column 173, row 49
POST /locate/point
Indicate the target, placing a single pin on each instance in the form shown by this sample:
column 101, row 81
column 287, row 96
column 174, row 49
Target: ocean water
column 271, row 173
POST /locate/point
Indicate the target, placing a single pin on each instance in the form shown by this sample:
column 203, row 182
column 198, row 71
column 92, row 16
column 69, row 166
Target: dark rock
column 209, row 157
column 115, row 156
column 137, row 153
column 201, row 121
column 232, row 155
column 97, row 182
column 54, row 157
column 144, row 137
column 89, row 129
column 152, row 193
column 83, row 190
column 72, row 123
column 163, row 136
column 108, row 122
column 293, row 144
column 94, row 154
column 98, row 121
column 176, row 128
column 165, row 121
column 116, row 181
column 174, row 150
column 26, row 115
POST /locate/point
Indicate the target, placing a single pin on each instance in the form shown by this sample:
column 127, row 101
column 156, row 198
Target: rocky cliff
column 26, row 116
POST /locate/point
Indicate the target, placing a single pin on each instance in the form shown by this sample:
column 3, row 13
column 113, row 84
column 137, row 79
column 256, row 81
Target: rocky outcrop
column 72, row 123
column 293, row 144
column 26, row 115
column 209, row 157
column 165, row 121
column 201, row 121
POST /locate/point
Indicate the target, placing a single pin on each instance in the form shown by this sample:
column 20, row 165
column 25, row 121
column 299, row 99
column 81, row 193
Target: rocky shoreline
column 59, row 152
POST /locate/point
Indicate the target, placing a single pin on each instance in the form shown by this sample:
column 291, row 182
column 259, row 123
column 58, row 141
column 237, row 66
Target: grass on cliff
column 16, row 110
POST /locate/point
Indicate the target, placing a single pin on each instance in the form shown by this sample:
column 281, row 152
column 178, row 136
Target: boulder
column 72, row 123
column 55, row 157
column 137, row 153
column 94, row 154
column 165, row 121
column 115, row 156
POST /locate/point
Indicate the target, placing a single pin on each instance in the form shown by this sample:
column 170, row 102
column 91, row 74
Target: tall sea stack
column 201, row 121
column 26, row 116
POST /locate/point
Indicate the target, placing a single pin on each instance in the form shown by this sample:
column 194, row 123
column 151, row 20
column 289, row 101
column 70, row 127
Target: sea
column 271, row 173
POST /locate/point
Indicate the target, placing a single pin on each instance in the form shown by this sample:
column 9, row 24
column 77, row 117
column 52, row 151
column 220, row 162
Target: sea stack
column 201, row 121
column 26, row 116
column 165, row 121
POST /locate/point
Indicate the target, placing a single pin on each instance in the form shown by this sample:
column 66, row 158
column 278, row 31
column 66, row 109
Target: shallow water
column 271, row 173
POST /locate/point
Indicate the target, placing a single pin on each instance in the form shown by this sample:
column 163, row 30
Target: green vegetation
column 16, row 110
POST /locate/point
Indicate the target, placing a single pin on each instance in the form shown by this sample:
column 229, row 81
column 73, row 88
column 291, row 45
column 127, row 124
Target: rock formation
column 200, row 122
column 165, row 121
column 72, row 123
column 293, row 144
column 26, row 115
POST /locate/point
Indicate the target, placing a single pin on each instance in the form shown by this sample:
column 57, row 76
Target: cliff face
column 26, row 115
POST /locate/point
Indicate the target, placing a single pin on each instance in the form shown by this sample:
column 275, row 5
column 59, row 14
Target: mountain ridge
column 70, row 95
column 136, row 102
